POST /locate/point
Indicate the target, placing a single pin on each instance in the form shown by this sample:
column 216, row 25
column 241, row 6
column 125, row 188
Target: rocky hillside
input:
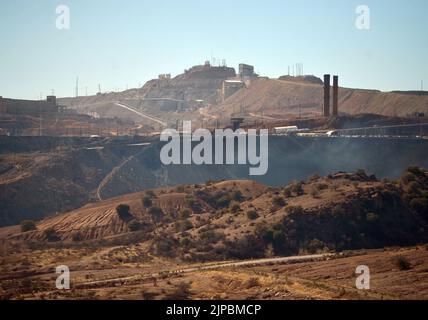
column 159, row 96
column 291, row 97
column 244, row 219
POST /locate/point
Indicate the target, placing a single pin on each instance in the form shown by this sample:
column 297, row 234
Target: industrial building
column 246, row 70
column 28, row 107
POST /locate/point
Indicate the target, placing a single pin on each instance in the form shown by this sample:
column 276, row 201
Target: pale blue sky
column 127, row 42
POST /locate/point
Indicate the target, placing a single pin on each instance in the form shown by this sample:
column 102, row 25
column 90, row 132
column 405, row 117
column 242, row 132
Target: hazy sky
column 127, row 42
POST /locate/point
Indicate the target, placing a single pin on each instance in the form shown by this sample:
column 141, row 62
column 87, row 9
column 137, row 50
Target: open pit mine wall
column 73, row 179
column 294, row 158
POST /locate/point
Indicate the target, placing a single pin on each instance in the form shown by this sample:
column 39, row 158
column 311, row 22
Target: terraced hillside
column 244, row 219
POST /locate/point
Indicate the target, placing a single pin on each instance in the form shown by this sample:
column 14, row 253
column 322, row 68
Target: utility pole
column 40, row 121
column 77, row 87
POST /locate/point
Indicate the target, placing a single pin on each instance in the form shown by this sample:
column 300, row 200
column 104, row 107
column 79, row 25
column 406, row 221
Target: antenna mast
column 77, row 87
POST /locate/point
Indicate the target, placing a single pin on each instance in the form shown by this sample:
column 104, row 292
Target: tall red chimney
column 326, row 95
column 335, row 95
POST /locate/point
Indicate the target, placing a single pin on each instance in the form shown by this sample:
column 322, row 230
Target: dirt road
column 213, row 266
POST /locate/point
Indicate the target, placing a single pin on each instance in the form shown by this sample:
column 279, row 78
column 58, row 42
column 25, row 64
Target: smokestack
column 335, row 95
column 326, row 95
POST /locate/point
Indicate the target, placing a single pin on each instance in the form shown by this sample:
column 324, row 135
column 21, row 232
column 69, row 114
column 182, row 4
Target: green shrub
column 184, row 214
column 264, row 233
column 314, row 191
column 28, row 225
column 123, row 211
column 279, row 242
column 223, row 202
column 181, row 292
column 371, row 217
column 180, row 189
column 185, row 242
column 150, row 194
column 414, row 187
column 415, row 171
column 147, row 202
column 252, row 215
column 419, row 204
column 134, row 225
column 297, row 188
column 402, row 263
column 315, row 246
column 278, row 201
column 193, row 204
column 156, row 213
column 51, row 235
column 407, row 177
column 294, row 210
column 183, row 225
column 287, row 192
column 237, row 195
column 252, row 282
column 77, row 236
column 235, row 207
column 314, row 177
column 210, row 236
column 165, row 245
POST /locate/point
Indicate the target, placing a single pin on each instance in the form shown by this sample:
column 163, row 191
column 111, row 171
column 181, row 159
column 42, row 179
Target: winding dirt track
column 112, row 173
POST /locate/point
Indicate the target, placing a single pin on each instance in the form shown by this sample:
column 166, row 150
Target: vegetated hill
column 243, row 219
column 291, row 97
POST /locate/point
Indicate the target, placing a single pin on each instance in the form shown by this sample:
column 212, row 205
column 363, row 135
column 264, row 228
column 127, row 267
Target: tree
column 287, row 192
column 184, row 214
column 51, row 235
column 235, row 207
column 123, row 211
column 193, row 204
column 134, row 225
column 147, row 202
column 77, row 236
column 279, row 242
column 264, row 233
column 237, row 195
column 28, row 225
column 150, row 193
column 183, row 225
column 402, row 263
column 297, row 188
column 278, row 201
column 156, row 213
column 252, row 215
column 223, row 202
column 185, row 242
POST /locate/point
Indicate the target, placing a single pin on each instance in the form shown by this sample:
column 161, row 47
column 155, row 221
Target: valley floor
column 125, row 272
